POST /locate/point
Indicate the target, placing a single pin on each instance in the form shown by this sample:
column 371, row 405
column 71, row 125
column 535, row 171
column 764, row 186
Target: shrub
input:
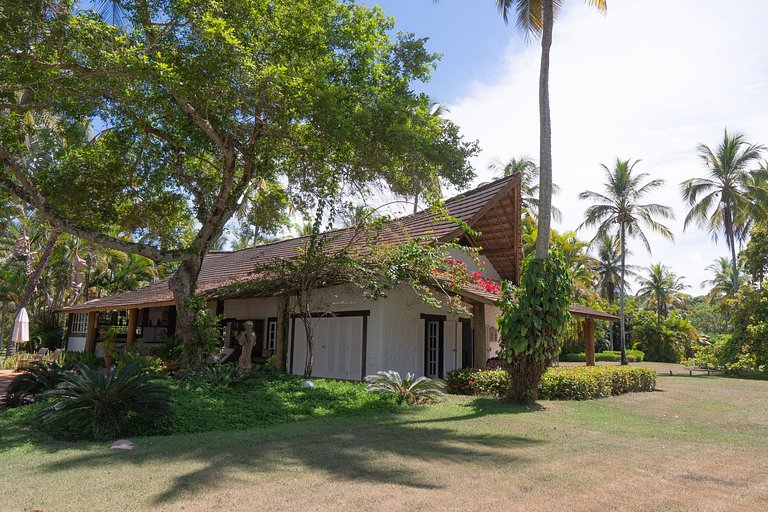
column 633, row 356
column 588, row 382
column 87, row 358
column 221, row 375
column 135, row 355
column 409, row 389
column 561, row 383
column 477, row 382
column 95, row 404
column 36, row 379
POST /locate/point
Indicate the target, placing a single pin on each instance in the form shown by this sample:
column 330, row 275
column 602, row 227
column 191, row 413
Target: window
column 433, row 348
column 79, row 323
column 271, row 335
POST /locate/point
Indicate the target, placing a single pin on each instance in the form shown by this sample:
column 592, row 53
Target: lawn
column 699, row 443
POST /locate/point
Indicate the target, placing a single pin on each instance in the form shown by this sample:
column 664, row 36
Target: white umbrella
column 20, row 333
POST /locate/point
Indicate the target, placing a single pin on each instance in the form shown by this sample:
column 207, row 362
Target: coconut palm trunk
column 545, row 134
column 731, row 241
column 622, row 327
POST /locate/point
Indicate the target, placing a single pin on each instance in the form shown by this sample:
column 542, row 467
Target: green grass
column 696, row 444
column 269, row 399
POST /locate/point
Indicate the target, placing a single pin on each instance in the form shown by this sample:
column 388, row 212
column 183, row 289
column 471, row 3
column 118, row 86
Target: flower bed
column 578, row 383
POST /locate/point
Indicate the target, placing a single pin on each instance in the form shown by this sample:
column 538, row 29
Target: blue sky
column 648, row 80
column 470, row 34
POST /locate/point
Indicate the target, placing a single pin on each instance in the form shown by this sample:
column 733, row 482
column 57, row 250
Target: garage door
column 338, row 347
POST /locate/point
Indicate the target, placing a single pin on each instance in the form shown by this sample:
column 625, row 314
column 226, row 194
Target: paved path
column 6, row 376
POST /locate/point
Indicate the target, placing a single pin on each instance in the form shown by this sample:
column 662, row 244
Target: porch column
column 281, row 332
column 133, row 321
column 91, row 331
column 481, row 335
column 589, row 340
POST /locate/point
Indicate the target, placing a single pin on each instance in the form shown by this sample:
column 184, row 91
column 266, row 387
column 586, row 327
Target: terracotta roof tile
column 222, row 268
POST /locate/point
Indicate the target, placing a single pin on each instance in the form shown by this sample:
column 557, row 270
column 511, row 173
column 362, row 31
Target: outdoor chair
column 26, row 361
column 54, row 356
column 221, row 356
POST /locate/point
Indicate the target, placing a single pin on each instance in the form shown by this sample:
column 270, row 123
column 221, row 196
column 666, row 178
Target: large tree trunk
column 545, row 135
column 310, row 336
column 183, row 284
column 622, row 330
column 34, row 280
column 525, row 375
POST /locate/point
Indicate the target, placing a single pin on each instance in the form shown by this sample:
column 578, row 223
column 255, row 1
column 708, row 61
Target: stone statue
column 247, row 340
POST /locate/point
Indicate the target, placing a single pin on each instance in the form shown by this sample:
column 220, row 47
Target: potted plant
column 109, row 348
column 170, row 353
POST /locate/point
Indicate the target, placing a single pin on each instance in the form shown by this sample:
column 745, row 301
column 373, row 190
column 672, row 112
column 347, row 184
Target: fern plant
column 410, row 389
column 93, row 404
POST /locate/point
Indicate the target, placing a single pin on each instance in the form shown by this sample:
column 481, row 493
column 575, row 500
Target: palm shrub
column 410, row 389
column 216, row 375
column 533, row 323
column 36, row 379
column 95, row 404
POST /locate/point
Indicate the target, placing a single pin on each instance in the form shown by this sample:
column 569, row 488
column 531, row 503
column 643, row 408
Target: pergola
column 589, row 315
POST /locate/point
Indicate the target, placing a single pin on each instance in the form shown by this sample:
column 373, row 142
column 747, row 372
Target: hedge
column 588, row 382
column 560, row 383
column 610, row 356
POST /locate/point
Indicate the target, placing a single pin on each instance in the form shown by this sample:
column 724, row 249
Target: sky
column 648, row 80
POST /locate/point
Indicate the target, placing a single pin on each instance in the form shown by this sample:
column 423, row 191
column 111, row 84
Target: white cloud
column 650, row 80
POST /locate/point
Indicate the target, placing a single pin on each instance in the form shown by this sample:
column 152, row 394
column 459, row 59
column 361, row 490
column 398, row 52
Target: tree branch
column 28, row 193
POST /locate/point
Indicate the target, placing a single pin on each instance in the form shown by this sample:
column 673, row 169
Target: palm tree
column 536, row 18
column 660, row 289
column 609, row 268
column 731, row 197
column 619, row 209
column 529, row 182
column 721, row 284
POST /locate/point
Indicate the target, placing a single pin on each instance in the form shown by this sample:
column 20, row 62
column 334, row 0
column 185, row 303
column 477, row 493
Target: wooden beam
column 517, row 233
column 133, row 321
column 91, row 330
column 589, row 341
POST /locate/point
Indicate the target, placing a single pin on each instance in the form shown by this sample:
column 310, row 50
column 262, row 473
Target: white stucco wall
column 243, row 309
column 76, row 343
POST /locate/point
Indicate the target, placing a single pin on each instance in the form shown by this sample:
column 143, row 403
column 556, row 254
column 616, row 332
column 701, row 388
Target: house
column 354, row 336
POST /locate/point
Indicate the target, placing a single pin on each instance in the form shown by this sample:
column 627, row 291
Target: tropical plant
column 410, row 389
column 661, row 288
column 732, row 196
column 95, row 404
column 533, row 323
column 35, row 379
column 721, row 285
column 754, row 257
column 619, row 209
column 216, row 375
column 609, row 268
column 529, row 174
